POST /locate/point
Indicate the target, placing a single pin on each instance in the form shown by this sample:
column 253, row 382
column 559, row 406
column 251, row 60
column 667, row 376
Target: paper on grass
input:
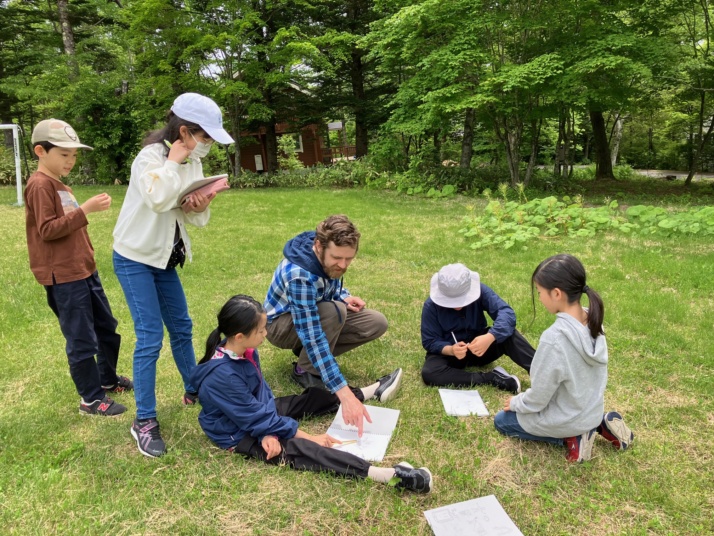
column 461, row 403
column 372, row 446
column 477, row 517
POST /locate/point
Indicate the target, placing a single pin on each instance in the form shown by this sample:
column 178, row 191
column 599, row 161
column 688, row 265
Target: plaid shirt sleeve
column 302, row 297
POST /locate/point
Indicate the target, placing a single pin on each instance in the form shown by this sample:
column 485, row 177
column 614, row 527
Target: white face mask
column 201, row 149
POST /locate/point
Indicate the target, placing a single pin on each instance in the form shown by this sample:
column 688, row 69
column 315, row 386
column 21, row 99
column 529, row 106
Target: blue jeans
column 155, row 297
column 506, row 422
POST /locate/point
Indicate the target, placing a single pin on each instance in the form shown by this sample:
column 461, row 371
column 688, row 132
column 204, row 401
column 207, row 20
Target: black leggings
column 443, row 370
column 304, row 454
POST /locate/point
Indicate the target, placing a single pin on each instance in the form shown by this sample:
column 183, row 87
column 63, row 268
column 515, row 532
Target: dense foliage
column 421, row 84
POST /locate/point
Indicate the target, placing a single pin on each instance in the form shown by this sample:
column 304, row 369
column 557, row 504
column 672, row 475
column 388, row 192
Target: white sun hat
column 455, row 286
column 204, row 112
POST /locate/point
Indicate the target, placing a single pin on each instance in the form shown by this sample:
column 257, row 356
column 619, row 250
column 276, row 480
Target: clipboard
column 206, row 186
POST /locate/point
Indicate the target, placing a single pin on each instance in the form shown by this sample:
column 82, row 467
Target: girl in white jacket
column 150, row 240
column 565, row 403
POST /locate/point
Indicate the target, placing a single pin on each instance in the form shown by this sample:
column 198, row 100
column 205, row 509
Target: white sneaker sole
column 392, row 390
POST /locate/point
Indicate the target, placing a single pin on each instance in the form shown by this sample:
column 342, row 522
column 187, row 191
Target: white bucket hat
column 455, row 286
column 204, row 112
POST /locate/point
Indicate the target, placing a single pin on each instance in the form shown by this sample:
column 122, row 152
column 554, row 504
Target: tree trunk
column 68, row 38
column 615, row 140
column 271, row 147
column 357, row 78
column 603, row 164
column 703, row 139
column 535, row 138
column 467, row 143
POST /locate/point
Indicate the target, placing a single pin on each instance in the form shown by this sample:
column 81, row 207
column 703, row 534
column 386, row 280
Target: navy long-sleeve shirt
column 438, row 323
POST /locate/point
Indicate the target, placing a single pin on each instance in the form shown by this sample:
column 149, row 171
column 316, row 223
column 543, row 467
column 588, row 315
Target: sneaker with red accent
column 189, row 399
column 148, row 437
column 106, row 406
column 614, row 429
column 123, row 384
column 580, row 448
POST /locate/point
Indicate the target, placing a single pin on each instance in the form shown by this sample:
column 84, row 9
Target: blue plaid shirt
column 297, row 291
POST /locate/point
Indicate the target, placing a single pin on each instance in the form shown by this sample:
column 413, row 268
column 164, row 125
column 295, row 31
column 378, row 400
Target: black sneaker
column 106, row 406
column 305, row 379
column 388, row 385
column 148, row 437
column 505, row 381
column 189, row 399
column 418, row 480
column 123, row 384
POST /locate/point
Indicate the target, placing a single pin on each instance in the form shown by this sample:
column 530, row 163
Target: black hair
column 567, row 273
column 240, row 314
column 46, row 145
column 171, row 131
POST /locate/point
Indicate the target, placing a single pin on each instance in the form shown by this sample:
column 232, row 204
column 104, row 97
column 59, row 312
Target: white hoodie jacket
column 568, row 379
column 147, row 222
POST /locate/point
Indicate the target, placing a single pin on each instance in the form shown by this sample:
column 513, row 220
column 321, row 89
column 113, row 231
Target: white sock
column 369, row 391
column 380, row 474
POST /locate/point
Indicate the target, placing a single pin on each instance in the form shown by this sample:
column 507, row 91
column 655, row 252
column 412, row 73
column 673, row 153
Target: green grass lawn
column 67, row 474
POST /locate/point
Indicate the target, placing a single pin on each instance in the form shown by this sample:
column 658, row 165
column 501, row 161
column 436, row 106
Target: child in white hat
column 150, row 240
column 456, row 335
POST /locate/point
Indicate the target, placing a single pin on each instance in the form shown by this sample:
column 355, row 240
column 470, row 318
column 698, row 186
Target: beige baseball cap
column 58, row 133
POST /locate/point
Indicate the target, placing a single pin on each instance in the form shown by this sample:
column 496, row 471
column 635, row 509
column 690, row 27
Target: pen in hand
column 454, row 336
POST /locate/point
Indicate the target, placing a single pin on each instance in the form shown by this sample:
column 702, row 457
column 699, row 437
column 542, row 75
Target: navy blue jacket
column 438, row 323
column 237, row 402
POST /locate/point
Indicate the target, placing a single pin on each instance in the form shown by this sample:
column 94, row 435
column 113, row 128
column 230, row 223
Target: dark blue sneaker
column 614, row 429
column 148, row 437
column 418, row 480
column 123, row 384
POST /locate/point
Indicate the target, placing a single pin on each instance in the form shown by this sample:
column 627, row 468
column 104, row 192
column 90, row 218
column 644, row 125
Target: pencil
column 454, row 336
column 348, row 442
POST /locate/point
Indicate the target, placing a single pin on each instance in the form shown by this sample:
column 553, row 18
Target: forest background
column 521, row 90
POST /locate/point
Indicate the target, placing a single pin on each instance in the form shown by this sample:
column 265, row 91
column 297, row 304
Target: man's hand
column 458, row 350
column 353, row 411
column 354, row 303
column 271, row 446
column 480, row 344
column 98, row 203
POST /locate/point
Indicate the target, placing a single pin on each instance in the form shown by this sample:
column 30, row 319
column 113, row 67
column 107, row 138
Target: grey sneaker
column 505, row 381
column 305, row 379
column 389, row 385
column 106, row 406
column 418, row 480
column 614, row 429
column 148, row 437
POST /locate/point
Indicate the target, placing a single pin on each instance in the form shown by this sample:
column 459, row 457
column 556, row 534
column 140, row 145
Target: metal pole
column 18, row 173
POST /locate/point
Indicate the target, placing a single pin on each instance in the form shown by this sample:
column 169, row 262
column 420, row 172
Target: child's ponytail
column 596, row 312
column 240, row 314
column 567, row 273
column 214, row 339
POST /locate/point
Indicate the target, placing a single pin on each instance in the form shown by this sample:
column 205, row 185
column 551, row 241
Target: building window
column 297, row 138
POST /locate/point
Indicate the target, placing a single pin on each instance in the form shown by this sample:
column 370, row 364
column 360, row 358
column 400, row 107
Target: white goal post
column 16, row 146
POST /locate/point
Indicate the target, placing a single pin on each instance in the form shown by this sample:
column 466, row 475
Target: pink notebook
column 209, row 185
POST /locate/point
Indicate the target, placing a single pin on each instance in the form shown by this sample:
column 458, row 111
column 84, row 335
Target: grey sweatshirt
column 568, row 379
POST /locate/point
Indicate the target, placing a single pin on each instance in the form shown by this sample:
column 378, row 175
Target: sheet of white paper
column 372, row 446
column 477, row 517
column 461, row 403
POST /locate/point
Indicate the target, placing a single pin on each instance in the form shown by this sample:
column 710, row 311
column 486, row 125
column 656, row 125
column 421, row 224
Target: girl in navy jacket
column 240, row 414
